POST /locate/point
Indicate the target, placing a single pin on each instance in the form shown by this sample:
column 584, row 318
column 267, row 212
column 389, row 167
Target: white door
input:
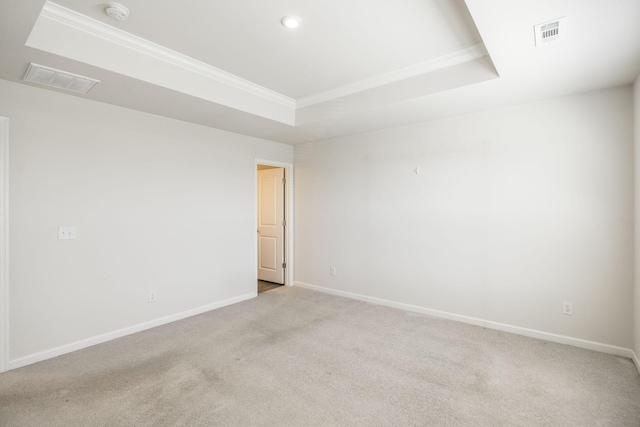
column 271, row 225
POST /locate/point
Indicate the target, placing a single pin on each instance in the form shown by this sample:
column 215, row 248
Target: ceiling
column 351, row 67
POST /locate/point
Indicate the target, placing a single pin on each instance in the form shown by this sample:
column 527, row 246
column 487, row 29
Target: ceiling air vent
column 59, row 79
column 550, row 32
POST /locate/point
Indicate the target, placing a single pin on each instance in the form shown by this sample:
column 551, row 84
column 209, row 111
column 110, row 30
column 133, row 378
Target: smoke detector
column 550, row 32
column 59, row 79
column 116, row 11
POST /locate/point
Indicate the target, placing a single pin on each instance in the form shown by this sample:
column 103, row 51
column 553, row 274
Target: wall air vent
column 550, row 32
column 59, row 79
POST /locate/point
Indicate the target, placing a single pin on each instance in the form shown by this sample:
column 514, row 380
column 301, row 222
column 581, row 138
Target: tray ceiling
column 351, row 66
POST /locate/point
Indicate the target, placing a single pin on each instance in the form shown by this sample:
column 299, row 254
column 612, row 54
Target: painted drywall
column 636, row 321
column 500, row 215
column 158, row 204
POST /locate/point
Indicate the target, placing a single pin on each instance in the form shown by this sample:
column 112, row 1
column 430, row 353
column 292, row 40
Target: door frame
column 289, row 278
column 4, row 244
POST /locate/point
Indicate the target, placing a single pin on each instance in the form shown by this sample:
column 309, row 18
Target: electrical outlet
column 66, row 233
column 152, row 296
column 567, row 308
column 332, row 271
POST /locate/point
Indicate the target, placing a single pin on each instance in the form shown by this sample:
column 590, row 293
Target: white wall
column 158, row 204
column 514, row 211
column 636, row 322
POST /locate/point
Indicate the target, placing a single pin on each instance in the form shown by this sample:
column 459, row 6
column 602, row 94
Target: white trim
column 429, row 66
column 4, row 243
column 289, row 279
column 79, row 345
column 97, row 28
column 636, row 361
column 532, row 333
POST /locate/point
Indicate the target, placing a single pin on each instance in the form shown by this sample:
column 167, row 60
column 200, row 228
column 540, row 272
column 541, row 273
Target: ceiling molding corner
column 445, row 61
column 97, row 28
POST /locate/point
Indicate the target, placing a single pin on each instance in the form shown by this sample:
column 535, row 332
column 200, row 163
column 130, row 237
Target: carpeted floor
column 294, row 357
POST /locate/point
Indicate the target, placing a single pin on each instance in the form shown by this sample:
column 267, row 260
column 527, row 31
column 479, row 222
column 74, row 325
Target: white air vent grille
column 59, row 79
column 550, row 32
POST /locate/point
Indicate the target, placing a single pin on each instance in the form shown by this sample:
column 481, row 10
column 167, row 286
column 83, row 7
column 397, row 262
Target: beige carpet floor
column 294, row 357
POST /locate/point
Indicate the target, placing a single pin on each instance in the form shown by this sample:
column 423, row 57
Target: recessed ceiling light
column 291, row 22
column 116, row 11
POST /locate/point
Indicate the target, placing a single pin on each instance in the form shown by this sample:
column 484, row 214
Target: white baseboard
column 79, row 345
column 636, row 361
column 547, row 336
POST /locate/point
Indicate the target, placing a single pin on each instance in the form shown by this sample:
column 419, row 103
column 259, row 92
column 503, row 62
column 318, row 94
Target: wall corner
column 636, row 284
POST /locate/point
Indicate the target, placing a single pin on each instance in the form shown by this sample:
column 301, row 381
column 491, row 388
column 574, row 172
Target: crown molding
column 444, row 61
column 62, row 31
column 97, row 28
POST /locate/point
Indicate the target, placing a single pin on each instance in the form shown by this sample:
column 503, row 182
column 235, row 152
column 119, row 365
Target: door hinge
column 284, row 265
column 284, row 222
column 284, row 180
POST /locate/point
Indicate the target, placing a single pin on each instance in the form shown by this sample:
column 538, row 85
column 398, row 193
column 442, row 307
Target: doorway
column 266, row 286
column 273, row 222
